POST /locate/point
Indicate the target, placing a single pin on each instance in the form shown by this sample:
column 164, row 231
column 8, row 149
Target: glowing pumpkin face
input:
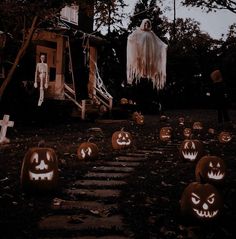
column 121, row 139
column 201, row 202
column 187, row 132
column 124, row 101
column 87, row 150
column 138, row 118
column 39, row 169
column 197, row 125
column 224, row 137
column 211, row 169
column 191, row 150
column 165, row 134
column 181, row 120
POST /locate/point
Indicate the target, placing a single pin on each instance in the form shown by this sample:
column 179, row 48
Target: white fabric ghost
column 146, row 56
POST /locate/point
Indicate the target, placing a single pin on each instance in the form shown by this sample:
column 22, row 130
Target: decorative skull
column 39, row 170
column 87, row 150
column 201, row 201
column 191, row 150
column 121, row 139
column 210, row 169
column 225, row 137
column 166, row 133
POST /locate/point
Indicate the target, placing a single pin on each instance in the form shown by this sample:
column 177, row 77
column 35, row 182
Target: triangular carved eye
column 186, row 145
column 34, row 158
column 119, row 135
column 218, row 165
column 126, row 135
column 193, row 145
column 211, row 164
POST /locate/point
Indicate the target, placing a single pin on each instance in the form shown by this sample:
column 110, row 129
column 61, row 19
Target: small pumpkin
column 210, row 169
column 202, row 202
column 87, row 151
column 225, row 137
column 164, row 118
column 39, row 171
column 134, row 115
column 197, row 125
column 211, row 131
column 181, row 120
column 121, row 139
column 191, row 150
column 187, row 132
column 124, row 101
column 165, row 133
column 138, row 118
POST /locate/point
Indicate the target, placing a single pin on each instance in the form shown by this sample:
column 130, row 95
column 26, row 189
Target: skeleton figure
column 146, row 56
column 41, row 74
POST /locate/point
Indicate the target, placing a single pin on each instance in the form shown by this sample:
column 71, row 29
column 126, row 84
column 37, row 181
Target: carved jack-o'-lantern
column 211, row 131
column 138, row 118
column 191, row 150
column 39, row 170
column 181, row 120
column 124, row 101
column 165, row 133
column 201, row 201
column 121, row 139
column 164, row 118
column 197, row 125
column 210, row 169
column 87, row 150
column 187, row 132
column 225, row 137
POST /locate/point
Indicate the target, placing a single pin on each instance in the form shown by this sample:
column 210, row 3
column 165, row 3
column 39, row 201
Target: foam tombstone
column 121, row 139
column 210, row 169
column 39, row 171
column 224, row 137
column 87, row 151
column 202, row 202
column 191, row 150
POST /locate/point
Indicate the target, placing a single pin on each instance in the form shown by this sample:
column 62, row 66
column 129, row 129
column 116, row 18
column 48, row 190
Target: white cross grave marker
column 5, row 123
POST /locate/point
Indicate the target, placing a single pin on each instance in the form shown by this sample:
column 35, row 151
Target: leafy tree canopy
column 211, row 5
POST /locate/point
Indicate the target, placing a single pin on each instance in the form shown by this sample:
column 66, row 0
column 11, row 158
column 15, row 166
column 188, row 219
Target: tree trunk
column 20, row 54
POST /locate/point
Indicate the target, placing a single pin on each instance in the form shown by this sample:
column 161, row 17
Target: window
column 70, row 14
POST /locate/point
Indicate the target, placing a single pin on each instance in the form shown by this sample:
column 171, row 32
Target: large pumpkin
column 121, row 139
column 201, row 201
column 191, row 150
column 210, row 169
column 87, row 150
column 39, row 170
column 165, row 133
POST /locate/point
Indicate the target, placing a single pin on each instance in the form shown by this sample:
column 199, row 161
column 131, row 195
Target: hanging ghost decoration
column 146, row 56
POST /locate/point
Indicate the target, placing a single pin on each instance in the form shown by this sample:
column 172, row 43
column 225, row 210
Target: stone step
column 106, row 175
column 77, row 223
column 94, row 193
column 130, row 158
column 99, row 183
column 113, row 169
column 121, row 163
column 92, row 206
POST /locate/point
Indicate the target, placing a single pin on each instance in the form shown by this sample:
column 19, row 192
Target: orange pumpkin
column 39, row 171
column 210, row 169
column 121, row 139
column 197, row 125
column 191, row 150
column 187, row 132
column 87, row 150
column 124, row 101
column 224, row 137
column 202, row 202
column 166, row 133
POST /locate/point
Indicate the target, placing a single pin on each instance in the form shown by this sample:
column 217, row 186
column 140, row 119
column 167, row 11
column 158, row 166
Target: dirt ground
column 149, row 202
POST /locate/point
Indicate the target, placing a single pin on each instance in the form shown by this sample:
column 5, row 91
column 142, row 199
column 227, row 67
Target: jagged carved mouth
column 216, row 176
column 205, row 214
column 190, row 155
column 41, row 176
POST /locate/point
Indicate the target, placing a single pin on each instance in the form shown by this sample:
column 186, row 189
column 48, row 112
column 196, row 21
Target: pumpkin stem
column 90, row 138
